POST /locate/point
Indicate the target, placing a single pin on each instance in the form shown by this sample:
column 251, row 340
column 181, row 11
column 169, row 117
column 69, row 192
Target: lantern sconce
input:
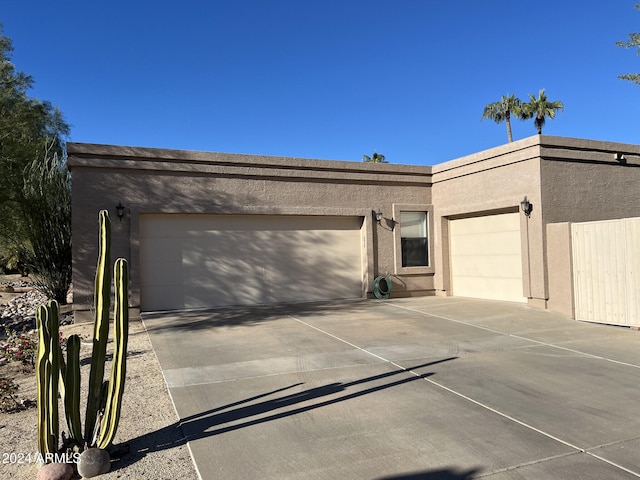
column 526, row 206
column 621, row 159
column 378, row 216
column 120, row 210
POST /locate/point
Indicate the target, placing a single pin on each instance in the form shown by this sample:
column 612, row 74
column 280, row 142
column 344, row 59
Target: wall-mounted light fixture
column 377, row 214
column 526, row 206
column 621, row 158
column 120, row 210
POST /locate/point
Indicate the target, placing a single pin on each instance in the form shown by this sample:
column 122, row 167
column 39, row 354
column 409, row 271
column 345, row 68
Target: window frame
column 397, row 239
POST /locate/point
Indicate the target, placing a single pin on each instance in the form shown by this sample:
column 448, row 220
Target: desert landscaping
column 149, row 442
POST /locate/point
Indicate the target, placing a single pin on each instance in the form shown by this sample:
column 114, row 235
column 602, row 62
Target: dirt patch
column 149, row 442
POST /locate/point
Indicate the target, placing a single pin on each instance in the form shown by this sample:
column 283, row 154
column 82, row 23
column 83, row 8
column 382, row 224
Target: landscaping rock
column 19, row 313
column 23, row 305
column 93, row 462
column 55, row 471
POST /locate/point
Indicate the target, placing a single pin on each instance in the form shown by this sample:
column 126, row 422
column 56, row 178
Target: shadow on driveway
column 440, row 474
column 198, row 426
column 191, row 321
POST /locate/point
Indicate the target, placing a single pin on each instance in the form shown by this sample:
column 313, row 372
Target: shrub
column 23, row 347
column 8, row 401
column 47, row 211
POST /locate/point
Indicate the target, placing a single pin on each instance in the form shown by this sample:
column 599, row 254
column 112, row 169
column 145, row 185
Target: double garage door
column 486, row 259
column 201, row 261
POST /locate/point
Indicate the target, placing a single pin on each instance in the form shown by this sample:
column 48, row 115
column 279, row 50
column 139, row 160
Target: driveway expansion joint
column 536, row 343
column 343, row 341
column 520, row 337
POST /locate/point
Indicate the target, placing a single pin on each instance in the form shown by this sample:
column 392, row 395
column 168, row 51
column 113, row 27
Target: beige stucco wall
column 567, row 180
column 493, row 181
column 582, row 181
column 169, row 181
column 560, row 268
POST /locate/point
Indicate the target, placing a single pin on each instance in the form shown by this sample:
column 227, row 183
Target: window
column 413, row 237
column 412, row 244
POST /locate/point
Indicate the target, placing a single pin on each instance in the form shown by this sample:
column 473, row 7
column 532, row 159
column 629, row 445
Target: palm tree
column 502, row 110
column 539, row 109
column 633, row 42
column 375, row 158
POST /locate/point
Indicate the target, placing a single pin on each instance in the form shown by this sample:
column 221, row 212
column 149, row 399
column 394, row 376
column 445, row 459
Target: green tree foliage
column 47, row 211
column 375, row 158
column 34, row 180
column 633, row 41
column 539, row 108
column 501, row 112
column 28, row 128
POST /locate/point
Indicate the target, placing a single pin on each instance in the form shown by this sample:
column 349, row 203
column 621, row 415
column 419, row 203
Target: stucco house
column 206, row 230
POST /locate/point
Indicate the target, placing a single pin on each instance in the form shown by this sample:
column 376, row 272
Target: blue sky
column 331, row 79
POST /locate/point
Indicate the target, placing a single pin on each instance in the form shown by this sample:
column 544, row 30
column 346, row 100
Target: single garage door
column 486, row 259
column 200, row 261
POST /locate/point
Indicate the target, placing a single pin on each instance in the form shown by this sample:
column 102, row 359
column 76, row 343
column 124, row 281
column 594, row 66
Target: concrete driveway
column 419, row 388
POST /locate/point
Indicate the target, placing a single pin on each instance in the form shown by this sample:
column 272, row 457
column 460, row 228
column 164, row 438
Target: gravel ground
column 149, row 443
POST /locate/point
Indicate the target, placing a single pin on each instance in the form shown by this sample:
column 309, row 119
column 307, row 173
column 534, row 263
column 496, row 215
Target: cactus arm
column 119, row 364
column 48, row 436
column 104, row 391
column 47, row 378
column 103, row 403
column 101, row 327
column 41, row 379
column 54, row 360
column 72, row 388
column 62, row 374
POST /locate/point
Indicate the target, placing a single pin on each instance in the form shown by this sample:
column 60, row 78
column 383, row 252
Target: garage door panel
column 224, row 273
column 165, row 297
column 162, row 273
column 487, row 224
column 487, row 290
column 324, row 282
column 486, row 259
column 214, row 259
column 496, row 266
column 165, row 249
column 206, row 295
column 487, row 243
column 249, row 259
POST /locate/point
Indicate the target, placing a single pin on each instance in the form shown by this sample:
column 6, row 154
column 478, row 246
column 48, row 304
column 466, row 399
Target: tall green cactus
column 47, row 368
column 119, row 366
column 104, row 399
column 102, row 295
column 72, row 389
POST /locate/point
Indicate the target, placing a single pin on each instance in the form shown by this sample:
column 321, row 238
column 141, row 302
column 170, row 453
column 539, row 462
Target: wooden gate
column 606, row 265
